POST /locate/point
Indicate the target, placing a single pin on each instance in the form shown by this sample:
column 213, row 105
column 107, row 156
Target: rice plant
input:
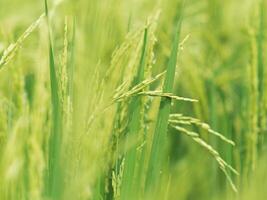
column 135, row 99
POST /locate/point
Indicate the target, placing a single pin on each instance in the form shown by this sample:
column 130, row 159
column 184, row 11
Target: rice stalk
column 167, row 95
column 253, row 102
column 53, row 176
column 135, row 106
column 11, row 51
column 180, row 119
column 261, row 72
column 223, row 164
column 156, row 161
column 120, row 92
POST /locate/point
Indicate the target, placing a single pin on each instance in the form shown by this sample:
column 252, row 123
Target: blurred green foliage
column 97, row 47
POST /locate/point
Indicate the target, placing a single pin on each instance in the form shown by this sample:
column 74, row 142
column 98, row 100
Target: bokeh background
column 222, row 64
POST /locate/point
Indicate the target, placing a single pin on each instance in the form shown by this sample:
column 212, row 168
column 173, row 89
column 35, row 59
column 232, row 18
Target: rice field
column 133, row 99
